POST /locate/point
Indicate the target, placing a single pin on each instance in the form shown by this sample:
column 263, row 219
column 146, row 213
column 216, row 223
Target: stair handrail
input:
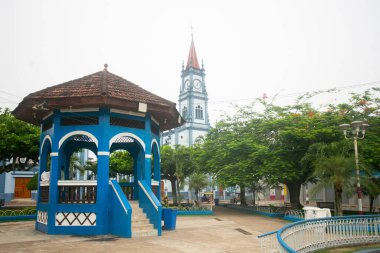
column 148, row 195
column 120, row 212
column 112, row 182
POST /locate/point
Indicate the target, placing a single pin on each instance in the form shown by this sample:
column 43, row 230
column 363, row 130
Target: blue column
column 135, row 177
column 148, row 153
column 44, row 151
column 103, row 172
column 102, row 193
column 140, row 165
column 157, row 168
column 54, row 170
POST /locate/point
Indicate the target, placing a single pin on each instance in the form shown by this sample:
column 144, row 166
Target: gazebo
column 101, row 112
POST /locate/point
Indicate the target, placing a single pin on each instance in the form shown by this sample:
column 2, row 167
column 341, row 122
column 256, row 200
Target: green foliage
column 17, row 140
column 121, row 162
column 197, row 181
column 176, row 165
column 17, row 212
column 275, row 144
column 33, row 183
column 371, row 187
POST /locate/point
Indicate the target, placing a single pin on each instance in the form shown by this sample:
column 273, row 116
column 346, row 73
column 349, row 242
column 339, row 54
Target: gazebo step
column 138, row 214
column 140, row 221
column 146, row 233
column 141, row 226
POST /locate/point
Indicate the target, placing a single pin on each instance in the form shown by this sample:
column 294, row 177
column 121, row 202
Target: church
column 192, row 104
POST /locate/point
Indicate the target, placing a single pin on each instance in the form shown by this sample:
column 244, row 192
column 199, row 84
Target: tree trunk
column 294, row 193
column 243, row 202
column 338, row 202
column 254, row 197
column 179, row 197
column 174, row 191
column 371, row 207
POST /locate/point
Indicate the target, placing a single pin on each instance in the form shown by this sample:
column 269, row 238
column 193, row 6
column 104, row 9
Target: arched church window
column 198, row 112
column 184, row 112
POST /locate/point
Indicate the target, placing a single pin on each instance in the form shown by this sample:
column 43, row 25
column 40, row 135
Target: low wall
column 195, row 212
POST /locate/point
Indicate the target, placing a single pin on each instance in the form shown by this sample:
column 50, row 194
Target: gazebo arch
column 101, row 112
column 46, row 138
column 126, row 135
column 78, row 132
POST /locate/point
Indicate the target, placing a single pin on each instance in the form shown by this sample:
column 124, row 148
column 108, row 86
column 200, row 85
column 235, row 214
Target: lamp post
column 358, row 132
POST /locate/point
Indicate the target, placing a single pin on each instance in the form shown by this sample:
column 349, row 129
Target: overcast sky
column 249, row 47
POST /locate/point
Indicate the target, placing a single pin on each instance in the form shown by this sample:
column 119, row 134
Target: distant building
column 13, row 185
column 192, row 104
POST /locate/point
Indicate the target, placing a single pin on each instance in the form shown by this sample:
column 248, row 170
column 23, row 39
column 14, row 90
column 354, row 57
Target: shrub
column 33, row 183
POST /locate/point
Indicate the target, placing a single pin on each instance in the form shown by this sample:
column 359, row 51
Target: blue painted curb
column 292, row 218
column 209, row 212
column 279, row 215
column 276, row 215
column 21, row 217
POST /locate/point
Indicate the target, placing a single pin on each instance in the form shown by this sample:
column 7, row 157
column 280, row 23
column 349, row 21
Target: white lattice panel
column 42, row 217
column 75, row 219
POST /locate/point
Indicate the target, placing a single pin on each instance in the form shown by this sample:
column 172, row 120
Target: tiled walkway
column 226, row 231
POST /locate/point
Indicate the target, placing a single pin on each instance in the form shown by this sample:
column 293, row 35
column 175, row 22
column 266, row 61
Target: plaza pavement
column 227, row 230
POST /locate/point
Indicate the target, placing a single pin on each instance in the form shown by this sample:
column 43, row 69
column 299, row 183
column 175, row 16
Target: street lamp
column 358, row 132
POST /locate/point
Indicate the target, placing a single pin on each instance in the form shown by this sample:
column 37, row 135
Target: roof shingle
column 99, row 89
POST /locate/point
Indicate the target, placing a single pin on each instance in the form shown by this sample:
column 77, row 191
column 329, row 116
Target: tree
column 333, row 167
column 267, row 146
column 75, row 165
column 366, row 107
column 121, row 162
column 176, row 165
column 17, row 140
column 197, row 181
column 287, row 133
column 33, row 183
column 371, row 187
column 272, row 144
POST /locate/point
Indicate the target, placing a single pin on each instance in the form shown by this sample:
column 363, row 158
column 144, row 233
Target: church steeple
column 192, row 104
column 192, row 60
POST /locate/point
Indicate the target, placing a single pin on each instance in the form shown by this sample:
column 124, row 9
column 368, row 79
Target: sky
column 249, row 48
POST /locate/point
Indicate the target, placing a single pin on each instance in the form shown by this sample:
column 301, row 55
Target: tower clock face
column 187, row 85
column 197, row 85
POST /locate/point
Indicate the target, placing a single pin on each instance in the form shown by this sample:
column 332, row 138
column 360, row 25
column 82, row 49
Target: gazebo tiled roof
column 99, row 89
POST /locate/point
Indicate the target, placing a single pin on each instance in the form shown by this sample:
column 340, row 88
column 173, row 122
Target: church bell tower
column 192, row 104
column 193, row 100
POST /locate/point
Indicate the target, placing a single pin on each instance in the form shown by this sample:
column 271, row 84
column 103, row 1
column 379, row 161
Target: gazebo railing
column 44, row 192
column 77, row 192
column 127, row 188
column 315, row 234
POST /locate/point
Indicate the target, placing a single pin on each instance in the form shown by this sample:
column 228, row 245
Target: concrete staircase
column 140, row 223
